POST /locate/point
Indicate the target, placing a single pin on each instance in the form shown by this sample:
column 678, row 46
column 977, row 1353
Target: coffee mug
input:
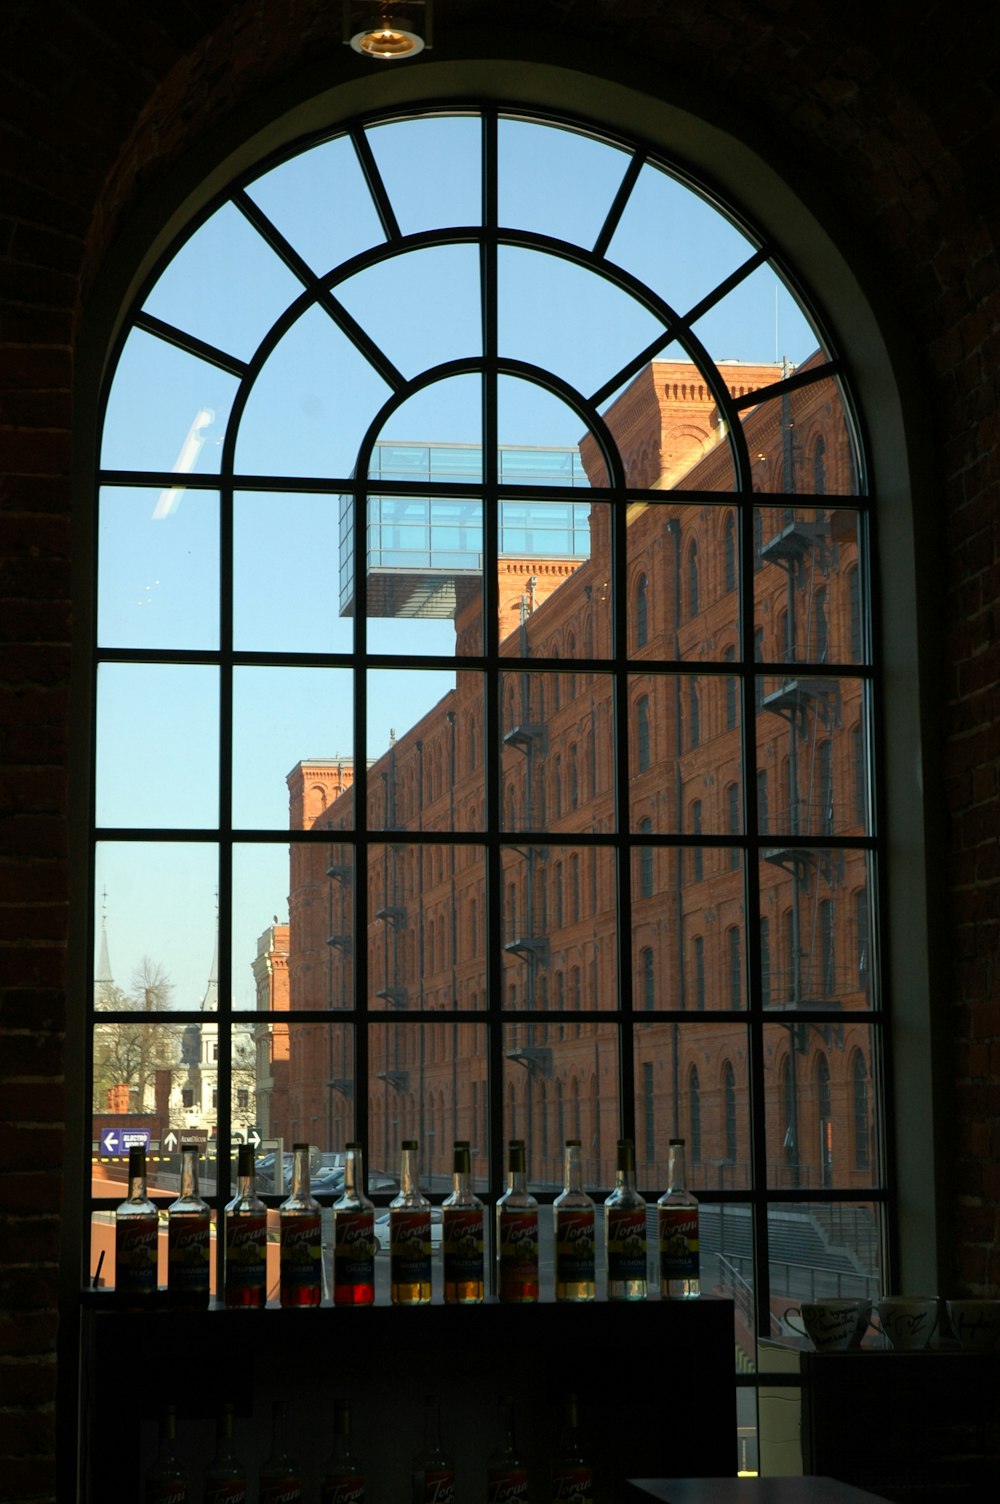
column 832, row 1326
column 975, row 1324
column 906, row 1321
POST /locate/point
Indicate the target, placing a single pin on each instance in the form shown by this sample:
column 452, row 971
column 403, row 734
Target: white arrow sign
column 109, row 1143
column 254, row 1139
column 170, row 1142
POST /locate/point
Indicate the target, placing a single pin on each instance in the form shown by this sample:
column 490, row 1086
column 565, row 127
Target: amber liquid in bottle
column 462, row 1235
column 517, row 1232
column 573, row 1219
column 410, row 1236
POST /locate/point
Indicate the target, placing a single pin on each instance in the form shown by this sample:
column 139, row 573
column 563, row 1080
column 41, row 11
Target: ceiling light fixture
column 378, row 31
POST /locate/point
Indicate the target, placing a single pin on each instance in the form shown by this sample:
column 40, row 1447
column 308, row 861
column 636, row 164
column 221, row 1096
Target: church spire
column 104, row 981
column 210, row 1001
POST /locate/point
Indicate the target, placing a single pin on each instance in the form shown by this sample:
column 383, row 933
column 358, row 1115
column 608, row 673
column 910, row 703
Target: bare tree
column 129, row 1054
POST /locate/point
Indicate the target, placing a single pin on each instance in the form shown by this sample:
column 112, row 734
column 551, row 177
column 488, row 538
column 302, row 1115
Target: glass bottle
column 506, row 1471
column 625, row 1231
column 353, row 1236
column 410, row 1236
column 573, row 1216
column 462, row 1235
column 225, row 1476
column 677, row 1226
column 343, row 1477
column 572, row 1478
column 301, row 1239
column 433, row 1469
column 517, row 1232
column 166, row 1482
column 246, row 1238
column 279, row 1479
column 137, row 1226
column 188, row 1239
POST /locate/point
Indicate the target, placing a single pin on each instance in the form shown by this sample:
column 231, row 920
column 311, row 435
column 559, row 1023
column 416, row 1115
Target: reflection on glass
column 691, row 1082
column 282, row 600
column 225, row 285
column 560, row 927
column 812, row 745
column 183, row 429
column 810, row 604
column 310, row 405
column 556, row 182
column 158, row 562
column 156, row 918
column 560, row 1081
column 419, row 700
column 320, row 202
column 428, row 1082
column 302, row 708
column 669, row 425
column 802, row 443
column 820, row 1103
column 684, row 573
column 816, row 919
column 427, row 926
column 157, row 745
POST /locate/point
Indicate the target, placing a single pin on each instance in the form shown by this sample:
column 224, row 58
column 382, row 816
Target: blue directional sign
column 120, row 1140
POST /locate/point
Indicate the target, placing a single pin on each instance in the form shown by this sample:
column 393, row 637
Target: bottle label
column 627, row 1243
column 574, row 1245
column 166, row 1491
column 280, row 1491
column 573, row 1484
column 136, row 1240
column 410, row 1245
column 353, row 1248
column 226, row 1491
column 246, row 1251
column 462, row 1241
column 679, row 1245
column 518, row 1239
column 187, row 1254
column 343, row 1488
column 507, row 1485
column 300, row 1253
column 434, row 1485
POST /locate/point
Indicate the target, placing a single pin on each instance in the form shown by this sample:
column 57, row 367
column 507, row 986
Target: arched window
column 860, row 1108
column 647, row 977
column 466, row 477
column 694, row 1115
column 824, row 1108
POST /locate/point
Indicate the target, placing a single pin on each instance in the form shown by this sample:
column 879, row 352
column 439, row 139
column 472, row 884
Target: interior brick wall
column 893, row 107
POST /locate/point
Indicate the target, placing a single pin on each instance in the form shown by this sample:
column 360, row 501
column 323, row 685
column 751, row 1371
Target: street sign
column 115, row 1141
column 254, row 1139
column 175, row 1138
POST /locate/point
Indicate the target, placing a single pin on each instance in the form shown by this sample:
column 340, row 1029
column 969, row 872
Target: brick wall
column 893, row 107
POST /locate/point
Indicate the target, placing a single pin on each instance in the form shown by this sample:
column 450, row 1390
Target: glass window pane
column 302, row 709
column 818, row 904
column 819, row 1251
column 557, row 1088
column 426, row 926
column 560, row 928
column 320, row 202
column 284, row 551
column 810, row 604
column 696, row 1088
column 685, row 751
column 812, row 738
column 427, row 1082
column 755, row 317
column 556, row 182
column 822, row 1129
column 310, row 404
column 427, row 200
column 433, row 279
column 557, row 768
column 260, row 931
column 183, row 429
column 158, row 563
column 803, row 443
column 225, row 285
column 156, row 924
column 157, row 745
column 688, row 908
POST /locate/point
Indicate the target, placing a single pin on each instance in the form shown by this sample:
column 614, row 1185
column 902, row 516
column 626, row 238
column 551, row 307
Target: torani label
column 678, row 1238
column 410, row 1245
column 187, row 1253
column 300, row 1254
column 343, row 1488
column 518, row 1245
column 462, row 1241
column 434, row 1486
column 507, row 1486
column 354, row 1248
column 280, row 1491
column 573, row 1485
column 627, row 1243
column 246, row 1252
column 135, row 1255
column 574, row 1245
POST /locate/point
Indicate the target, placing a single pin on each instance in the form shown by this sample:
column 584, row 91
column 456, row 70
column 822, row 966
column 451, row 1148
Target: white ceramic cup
column 975, row 1324
column 908, row 1322
column 832, row 1326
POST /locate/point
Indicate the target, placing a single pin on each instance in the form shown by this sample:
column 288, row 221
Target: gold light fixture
column 388, row 35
